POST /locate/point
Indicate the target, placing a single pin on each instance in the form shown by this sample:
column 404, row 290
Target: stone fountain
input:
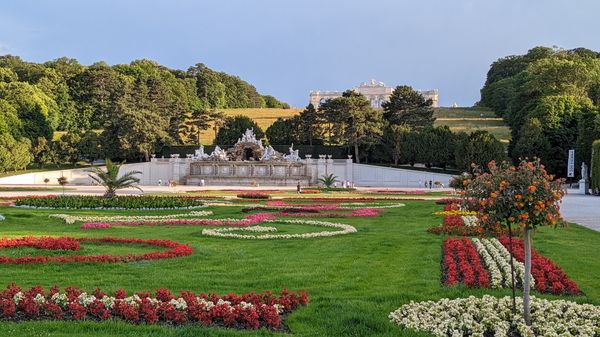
column 247, row 162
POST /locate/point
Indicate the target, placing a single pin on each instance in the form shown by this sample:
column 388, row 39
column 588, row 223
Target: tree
column 89, row 147
column 356, row 123
column 308, row 126
column 110, row 178
column 234, row 127
column 14, row 154
column 281, row 132
column 37, row 112
column 479, row 147
column 595, row 167
column 532, row 141
column 394, row 138
column 196, row 122
column 524, row 195
column 66, row 148
column 408, row 107
column 62, row 181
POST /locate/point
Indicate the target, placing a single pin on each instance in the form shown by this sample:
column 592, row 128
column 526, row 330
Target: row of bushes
column 119, row 202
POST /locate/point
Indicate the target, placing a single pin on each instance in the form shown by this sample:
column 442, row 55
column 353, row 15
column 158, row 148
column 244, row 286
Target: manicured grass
column 354, row 281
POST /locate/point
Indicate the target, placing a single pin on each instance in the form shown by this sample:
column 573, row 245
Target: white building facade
column 375, row 92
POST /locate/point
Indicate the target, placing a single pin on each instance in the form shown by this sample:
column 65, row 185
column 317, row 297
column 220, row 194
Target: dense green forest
column 550, row 98
column 137, row 107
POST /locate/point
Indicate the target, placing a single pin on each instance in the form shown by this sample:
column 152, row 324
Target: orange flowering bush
column 526, row 195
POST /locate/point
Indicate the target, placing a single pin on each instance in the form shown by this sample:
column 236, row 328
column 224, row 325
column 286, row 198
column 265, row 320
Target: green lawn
column 354, row 281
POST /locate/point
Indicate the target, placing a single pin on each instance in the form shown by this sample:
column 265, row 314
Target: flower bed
column 253, row 195
column 282, row 205
column 246, row 221
column 491, row 316
column 460, row 256
column 175, row 250
column 119, row 202
column 446, row 201
column 307, row 191
column 227, row 232
column 549, row 277
column 497, row 261
column 355, row 213
column 347, row 199
column 70, row 219
column 2, row 218
column 461, row 264
column 44, row 242
column 247, row 311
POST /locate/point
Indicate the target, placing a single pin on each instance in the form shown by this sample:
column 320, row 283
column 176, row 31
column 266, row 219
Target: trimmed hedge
column 119, row 202
column 595, row 169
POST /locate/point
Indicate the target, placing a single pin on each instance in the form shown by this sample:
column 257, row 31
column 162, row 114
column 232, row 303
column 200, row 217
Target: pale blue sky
column 288, row 47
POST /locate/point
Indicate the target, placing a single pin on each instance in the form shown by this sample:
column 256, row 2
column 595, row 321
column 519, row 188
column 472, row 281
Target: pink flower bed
column 247, row 311
column 249, row 220
column 175, row 250
column 356, row 213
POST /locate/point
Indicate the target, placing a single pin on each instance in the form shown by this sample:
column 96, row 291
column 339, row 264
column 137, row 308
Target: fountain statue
column 246, row 162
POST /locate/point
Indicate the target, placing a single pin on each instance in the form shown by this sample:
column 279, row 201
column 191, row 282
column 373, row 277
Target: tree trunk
column 356, row 152
column 527, row 277
column 512, row 269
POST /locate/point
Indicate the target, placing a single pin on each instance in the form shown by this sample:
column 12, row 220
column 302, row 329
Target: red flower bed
column 249, row 220
column 461, row 264
column 247, row 311
column 453, row 221
column 50, row 243
column 547, row 275
column 253, row 195
column 307, row 191
column 446, row 201
column 175, row 250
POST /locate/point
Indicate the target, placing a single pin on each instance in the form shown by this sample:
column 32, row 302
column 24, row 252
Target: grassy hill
column 458, row 119
column 472, row 119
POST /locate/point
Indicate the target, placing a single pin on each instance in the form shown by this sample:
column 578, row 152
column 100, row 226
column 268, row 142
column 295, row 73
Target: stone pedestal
column 584, row 186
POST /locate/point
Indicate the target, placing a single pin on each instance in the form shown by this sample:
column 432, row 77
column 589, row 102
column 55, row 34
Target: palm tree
column 110, row 178
column 328, row 180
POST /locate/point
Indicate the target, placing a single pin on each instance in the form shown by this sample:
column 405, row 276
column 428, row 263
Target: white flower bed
column 116, row 218
column 470, row 220
column 491, row 316
column 227, row 232
column 2, row 218
column 497, row 260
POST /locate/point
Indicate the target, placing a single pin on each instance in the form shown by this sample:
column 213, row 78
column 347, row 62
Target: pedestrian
column 201, row 182
column 298, row 187
column 430, row 184
column 159, row 182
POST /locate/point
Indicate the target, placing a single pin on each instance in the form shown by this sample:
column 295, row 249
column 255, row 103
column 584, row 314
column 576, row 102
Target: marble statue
column 200, row 154
column 250, row 137
column 219, row 154
column 269, row 154
column 584, row 171
column 293, row 155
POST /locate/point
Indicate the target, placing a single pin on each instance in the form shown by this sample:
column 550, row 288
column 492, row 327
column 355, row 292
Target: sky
column 288, row 47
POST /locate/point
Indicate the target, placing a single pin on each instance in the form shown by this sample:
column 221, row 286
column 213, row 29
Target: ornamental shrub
column 525, row 195
column 595, row 171
column 118, row 202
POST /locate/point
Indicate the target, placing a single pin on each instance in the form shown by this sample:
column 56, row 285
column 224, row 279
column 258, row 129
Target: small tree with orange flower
column 525, row 196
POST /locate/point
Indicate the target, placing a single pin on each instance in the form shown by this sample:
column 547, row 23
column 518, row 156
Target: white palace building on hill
column 376, row 92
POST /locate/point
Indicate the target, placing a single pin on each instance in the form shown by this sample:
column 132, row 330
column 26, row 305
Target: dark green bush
column 119, row 202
